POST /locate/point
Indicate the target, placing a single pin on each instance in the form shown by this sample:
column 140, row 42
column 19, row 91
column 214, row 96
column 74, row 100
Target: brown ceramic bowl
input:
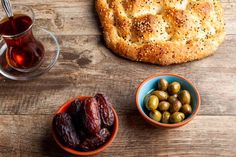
column 150, row 83
column 64, row 108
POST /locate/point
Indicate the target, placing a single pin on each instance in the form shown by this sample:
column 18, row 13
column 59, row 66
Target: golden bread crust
column 162, row 31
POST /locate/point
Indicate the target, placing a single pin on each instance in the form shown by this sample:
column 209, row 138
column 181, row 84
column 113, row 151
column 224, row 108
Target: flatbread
column 162, row 31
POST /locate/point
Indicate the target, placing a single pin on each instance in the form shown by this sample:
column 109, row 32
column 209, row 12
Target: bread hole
column 168, row 30
column 173, row 55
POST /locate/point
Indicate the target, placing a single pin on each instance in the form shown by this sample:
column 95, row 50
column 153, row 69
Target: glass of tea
column 24, row 52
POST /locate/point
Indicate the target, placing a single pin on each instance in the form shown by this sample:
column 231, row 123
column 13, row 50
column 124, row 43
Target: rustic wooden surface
column 86, row 67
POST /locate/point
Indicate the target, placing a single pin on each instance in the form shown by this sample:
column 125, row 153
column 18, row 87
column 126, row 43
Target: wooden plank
column 86, row 67
column 30, row 135
column 78, row 17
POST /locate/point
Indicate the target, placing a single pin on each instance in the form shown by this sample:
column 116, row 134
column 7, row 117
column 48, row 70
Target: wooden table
column 86, row 67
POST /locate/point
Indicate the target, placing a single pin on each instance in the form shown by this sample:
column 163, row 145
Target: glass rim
column 29, row 28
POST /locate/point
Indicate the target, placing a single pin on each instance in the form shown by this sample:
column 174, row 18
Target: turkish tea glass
column 26, row 50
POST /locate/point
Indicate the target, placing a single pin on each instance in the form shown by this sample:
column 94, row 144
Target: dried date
column 91, row 120
column 105, row 109
column 76, row 111
column 82, row 135
column 95, row 141
column 65, row 130
column 75, row 108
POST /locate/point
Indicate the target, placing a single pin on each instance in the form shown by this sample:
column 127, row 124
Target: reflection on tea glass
column 24, row 52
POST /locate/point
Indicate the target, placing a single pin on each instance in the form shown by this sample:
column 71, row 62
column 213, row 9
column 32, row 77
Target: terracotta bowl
column 150, row 83
column 63, row 108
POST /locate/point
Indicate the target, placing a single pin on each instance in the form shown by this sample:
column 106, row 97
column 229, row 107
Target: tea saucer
column 52, row 51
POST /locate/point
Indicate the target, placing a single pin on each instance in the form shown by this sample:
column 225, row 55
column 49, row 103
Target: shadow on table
column 140, row 131
column 50, row 148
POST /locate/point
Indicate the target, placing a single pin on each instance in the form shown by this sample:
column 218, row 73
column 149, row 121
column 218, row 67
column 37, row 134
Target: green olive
column 174, row 88
column 164, row 106
column 162, row 84
column 165, row 117
column 177, row 117
column 175, row 106
column 186, row 109
column 172, row 99
column 161, row 95
column 175, row 95
column 152, row 102
column 184, row 97
column 146, row 99
column 155, row 115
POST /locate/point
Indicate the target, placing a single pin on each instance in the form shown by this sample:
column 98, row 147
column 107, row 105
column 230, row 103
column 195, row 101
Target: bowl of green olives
column 167, row 100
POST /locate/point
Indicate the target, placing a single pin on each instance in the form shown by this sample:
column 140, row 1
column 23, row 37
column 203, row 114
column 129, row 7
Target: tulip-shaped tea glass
column 26, row 50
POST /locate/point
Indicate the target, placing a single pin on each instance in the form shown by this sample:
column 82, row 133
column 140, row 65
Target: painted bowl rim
column 159, row 124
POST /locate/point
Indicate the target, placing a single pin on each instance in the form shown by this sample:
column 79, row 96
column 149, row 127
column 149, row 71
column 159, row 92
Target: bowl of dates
column 85, row 125
column 167, row 100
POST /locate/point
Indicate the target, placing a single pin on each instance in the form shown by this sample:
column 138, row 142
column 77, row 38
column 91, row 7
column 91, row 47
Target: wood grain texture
column 24, row 135
column 86, row 67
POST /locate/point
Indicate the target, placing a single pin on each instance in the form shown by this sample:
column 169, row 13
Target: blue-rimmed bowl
column 150, row 83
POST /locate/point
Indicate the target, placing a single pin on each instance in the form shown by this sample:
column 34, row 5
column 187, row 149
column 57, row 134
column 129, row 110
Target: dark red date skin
column 94, row 142
column 75, row 108
column 65, row 130
column 105, row 109
column 76, row 112
column 91, row 120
